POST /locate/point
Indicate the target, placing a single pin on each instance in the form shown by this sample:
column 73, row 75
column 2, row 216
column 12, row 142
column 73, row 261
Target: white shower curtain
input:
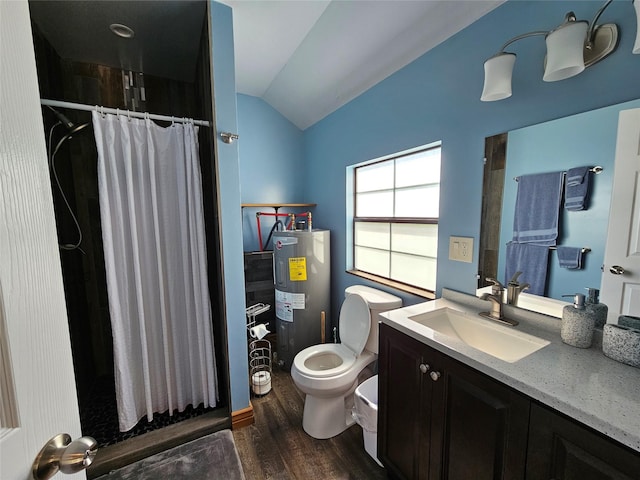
column 154, row 246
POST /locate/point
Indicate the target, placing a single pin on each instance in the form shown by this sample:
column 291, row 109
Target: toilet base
column 326, row 417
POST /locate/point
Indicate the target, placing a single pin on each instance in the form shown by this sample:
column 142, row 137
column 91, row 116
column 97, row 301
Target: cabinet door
column 404, row 403
column 482, row 424
column 562, row 449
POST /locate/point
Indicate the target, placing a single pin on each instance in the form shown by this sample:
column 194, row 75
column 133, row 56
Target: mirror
column 585, row 139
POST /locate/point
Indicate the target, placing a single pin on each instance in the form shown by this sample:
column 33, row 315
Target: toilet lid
column 355, row 323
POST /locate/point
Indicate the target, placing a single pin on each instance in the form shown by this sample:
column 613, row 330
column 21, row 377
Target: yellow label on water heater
column 297, row 269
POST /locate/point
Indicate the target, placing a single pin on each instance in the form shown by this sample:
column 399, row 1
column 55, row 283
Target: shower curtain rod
column 117, row 111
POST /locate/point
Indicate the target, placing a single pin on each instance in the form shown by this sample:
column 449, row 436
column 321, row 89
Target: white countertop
column 581, row 383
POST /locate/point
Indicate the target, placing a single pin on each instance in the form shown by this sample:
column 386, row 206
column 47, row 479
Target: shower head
column 68, row 124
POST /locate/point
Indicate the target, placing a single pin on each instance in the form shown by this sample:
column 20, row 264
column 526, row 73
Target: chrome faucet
column 514, row 289
column 496, row 298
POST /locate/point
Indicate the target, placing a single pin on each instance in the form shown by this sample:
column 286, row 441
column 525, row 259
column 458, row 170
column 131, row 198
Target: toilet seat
column 310, row 362
column 355, row 323
column 332, row 359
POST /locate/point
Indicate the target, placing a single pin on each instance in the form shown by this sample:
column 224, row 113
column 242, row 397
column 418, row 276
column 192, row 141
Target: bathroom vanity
column 524, row 406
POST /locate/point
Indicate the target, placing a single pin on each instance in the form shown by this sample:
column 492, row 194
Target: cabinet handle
column 424, row 368
column 435, row 376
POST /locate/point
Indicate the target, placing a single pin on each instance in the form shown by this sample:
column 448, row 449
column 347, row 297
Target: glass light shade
column 497, row 77
column 565, row 51
column 636, row 47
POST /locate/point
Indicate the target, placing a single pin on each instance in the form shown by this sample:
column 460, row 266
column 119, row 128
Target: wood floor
column 276, row 446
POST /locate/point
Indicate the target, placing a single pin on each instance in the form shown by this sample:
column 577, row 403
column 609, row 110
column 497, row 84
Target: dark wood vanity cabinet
column 441, row 419
column 562, row 449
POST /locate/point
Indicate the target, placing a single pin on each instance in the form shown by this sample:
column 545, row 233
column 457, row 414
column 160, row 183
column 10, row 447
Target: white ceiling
column 306, row 58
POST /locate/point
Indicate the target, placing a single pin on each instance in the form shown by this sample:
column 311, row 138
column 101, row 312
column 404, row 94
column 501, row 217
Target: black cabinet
column 439, row 418
column 563, row 449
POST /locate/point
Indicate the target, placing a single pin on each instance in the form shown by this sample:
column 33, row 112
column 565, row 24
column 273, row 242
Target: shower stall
column 74, row 175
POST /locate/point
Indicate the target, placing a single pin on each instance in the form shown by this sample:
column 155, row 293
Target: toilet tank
column 379, row 302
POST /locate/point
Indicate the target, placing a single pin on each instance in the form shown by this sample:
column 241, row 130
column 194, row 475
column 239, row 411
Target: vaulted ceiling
column 305, row 58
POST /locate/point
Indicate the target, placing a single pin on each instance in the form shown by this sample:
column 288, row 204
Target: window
column 395, row 226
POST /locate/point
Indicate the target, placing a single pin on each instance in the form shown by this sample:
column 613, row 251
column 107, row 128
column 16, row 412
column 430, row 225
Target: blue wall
column 585, row 139
column 271, row 164
column 229, row 200
column 437, row 97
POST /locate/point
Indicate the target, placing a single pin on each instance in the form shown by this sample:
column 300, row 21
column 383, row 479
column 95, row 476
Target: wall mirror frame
column 587, row 138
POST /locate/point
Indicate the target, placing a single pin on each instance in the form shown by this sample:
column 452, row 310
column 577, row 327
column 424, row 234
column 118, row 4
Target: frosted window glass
column 378, row 176
column 418, row 271
column 372, row 261
column 416, row 239
column 421, row 202
column 403, row 187
column 375, row 235
column 374, row 204
column 418, row 169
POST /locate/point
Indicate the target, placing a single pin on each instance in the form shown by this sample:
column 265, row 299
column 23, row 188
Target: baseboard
column 242, row 418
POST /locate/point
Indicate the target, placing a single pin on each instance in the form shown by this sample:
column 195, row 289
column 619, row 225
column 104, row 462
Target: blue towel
column 532, row 261
column 577, row 188
column 538, row 208
column 570, row 257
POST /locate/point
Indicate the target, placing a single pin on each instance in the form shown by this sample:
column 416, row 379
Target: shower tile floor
column 99, row 415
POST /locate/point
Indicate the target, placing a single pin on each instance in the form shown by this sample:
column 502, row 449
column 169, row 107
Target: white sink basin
column 502, row 342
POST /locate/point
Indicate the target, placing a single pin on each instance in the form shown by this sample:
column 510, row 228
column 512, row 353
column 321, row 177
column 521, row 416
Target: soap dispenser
column 600, row 310
column 577, row 323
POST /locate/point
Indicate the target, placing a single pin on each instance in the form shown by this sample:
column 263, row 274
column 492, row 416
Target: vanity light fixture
column 571, row 47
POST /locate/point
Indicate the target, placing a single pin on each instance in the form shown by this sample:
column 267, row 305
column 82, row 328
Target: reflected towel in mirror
column 538, row 208
column 570, row 257
column 577, row 188
column 532, row 260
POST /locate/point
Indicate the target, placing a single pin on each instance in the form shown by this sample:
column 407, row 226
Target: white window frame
column 391, row 220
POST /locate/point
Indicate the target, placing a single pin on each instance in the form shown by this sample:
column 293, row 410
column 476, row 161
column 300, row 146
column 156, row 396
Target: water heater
column 302, row 276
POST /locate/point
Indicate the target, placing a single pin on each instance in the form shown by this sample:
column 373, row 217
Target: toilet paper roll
column 259, row 331
column 261, row 382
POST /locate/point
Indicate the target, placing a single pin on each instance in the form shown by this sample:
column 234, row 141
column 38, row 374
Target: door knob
column 60, row 454
column 424, row 368
column 435, row 376
column 616, row 270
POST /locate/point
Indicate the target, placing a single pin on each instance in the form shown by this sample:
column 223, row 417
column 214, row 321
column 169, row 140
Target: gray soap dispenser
column 577, row 323
column 600, row 310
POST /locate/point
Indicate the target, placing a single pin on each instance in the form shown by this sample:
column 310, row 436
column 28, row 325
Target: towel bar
column 597, row 170
column 584, row 249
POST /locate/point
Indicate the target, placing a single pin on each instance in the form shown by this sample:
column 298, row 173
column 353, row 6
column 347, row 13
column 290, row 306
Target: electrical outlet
column 461, row 249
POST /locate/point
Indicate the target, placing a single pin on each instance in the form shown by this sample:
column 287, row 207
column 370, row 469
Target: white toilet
column 328, row 373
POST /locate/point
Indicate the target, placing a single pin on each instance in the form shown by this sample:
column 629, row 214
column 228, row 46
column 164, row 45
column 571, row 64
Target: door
column 404, row 418
column 485, row 424
column 36, row 345
column 563, row 449
column 621, row 272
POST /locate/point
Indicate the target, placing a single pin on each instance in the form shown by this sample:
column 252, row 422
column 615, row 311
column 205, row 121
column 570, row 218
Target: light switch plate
column 461, row 249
